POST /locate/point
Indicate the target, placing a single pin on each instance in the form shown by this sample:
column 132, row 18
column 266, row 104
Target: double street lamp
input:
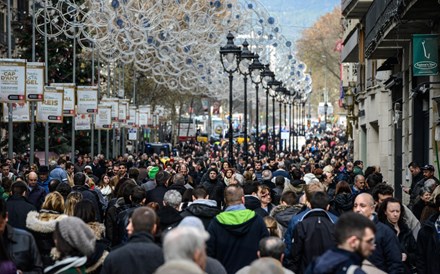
column 273, row 93
column 230, row 59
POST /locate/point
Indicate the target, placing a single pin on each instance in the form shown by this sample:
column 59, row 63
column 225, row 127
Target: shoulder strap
column 352, row 269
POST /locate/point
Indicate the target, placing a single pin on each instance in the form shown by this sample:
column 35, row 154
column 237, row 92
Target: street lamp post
column 229, row 57
column 267, row 77
column 272, row 92
column 245, row 59
column 280, row 99
column 325, row 115
column 255, row 73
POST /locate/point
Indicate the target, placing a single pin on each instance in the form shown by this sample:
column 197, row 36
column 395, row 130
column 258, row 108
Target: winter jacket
column 288, row 237
column 235, row 236
column 102, row 246
column 18, row 208
column 253, row 203
column 36, row 196
column 156, row 194
column 93, row 197
column 312, row 236
column 23, row 250
column 42, row 226
column 68, row 265
column 408, row 245
column 343, row 202
column 169, row 218
column 215, row 190
column 387, row 256
column 336, row 261
column 428, row 248
column 283, row 214
column 140, row 255
column 111, row 218
column 205, row 210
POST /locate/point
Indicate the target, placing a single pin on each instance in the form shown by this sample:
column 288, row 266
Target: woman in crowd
column 343, row 200
column 424, row 197
column 72, row 199
column 105, row 187
column 74, row 241
column 392, row 213
column 42, row 224
column 265, row 198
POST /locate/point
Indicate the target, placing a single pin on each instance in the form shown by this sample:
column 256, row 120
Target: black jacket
column 215, row 190
column 387, row 256
column 93, row 197
column 169, row 218
column 312, row 236
column 156, row 194
column 253, row 203
column 336, row 261
column 342, row 202
column 140, row 255
column 203, row 211
column 23, row 250
column 428, row 248
column 18, row 208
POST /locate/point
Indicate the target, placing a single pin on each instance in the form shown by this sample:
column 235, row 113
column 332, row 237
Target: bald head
column 32, row 179
column 364, row 204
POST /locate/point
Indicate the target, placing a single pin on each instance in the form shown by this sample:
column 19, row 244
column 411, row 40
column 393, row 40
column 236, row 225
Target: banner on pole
column 123, row 111
column 69, row 97
column 103, row 119
column 34, row 81
column 132, row 116
column 114, row 104
column 51, row 108
column 82, row 122
column 132, row 134
column 12, row 80
column 87, row 99
column 20, row 112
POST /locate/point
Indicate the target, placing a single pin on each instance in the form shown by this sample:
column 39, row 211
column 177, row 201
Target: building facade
column 395, row 116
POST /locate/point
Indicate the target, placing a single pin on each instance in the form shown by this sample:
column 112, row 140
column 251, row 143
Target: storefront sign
column 425, row 54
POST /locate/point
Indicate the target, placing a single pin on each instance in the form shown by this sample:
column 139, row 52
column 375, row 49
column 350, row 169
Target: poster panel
column 51, row 108
column 12, row 80
column 20, row 112
column 34, row 81
column 87, row 99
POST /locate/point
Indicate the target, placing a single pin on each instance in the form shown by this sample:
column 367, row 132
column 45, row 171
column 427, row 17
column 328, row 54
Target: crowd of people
column 309, row 211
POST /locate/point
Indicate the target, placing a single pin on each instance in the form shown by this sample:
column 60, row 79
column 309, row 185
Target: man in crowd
column 36, row 194
column 355, row 236
column 236, row 232
column 140, row 254
column 387, row 255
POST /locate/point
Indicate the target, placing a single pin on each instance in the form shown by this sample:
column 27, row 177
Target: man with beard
column 355, row 235
column 214, row 186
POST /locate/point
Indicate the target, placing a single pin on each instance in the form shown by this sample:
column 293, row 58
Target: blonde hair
column 72, row 199
column 272, row 226
column 54, row 201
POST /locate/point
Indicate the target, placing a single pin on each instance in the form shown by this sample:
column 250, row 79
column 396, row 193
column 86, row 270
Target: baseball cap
column 428, row 167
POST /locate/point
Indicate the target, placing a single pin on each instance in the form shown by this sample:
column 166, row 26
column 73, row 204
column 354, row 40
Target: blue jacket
column 428, row 248
column 292, row 224
column 387, row 256
column 234, row 238
column 336, row 261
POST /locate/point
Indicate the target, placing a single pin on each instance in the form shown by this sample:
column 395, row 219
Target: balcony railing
column 355, row 8
column 379, row 17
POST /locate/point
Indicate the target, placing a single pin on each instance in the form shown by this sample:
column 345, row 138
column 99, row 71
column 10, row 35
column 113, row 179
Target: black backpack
column 311, row 238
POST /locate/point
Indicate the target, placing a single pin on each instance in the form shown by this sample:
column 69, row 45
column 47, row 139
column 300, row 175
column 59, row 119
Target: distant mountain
column 294, row 16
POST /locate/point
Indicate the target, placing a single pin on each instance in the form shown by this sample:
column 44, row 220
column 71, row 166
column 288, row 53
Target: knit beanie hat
column 77, row 234
column 152, row 173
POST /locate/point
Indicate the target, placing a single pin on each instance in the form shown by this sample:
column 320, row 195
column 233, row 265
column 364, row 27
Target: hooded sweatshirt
column 235, row 236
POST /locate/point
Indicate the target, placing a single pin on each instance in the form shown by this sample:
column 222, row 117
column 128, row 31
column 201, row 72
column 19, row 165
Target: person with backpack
column 314, row 234
column 354, row 235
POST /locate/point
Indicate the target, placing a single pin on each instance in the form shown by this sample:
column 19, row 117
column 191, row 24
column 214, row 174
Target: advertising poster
column 123, row 112
column 103, row 119
column 51, row 108
column 12, row 80
column 114, row 104
column 69, row 97
column 20, row 112
column 34, row 81
column 132, row 116
column 82, row 122
column 87, row 99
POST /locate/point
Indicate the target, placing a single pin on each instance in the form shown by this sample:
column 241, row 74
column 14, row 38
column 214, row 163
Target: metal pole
column 134, row 103
column 107, row 143
column 245, row 148
column 274, row 144
column 267, row 121
column 46, row 59
column 231, row 148
column 285, row 123
column 280, row 124
column 297, row 126
column 99, row 93
column 290, row 126
column 10, row 122
column 74, row 81
column 92, row 118
column 257, row 131
column 32, row 104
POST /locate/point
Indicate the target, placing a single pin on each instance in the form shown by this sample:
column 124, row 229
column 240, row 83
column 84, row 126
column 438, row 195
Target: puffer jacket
column 283, row 214
column 42, row 226
column 205, row 210
column 428, row 248
column 343, row 202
